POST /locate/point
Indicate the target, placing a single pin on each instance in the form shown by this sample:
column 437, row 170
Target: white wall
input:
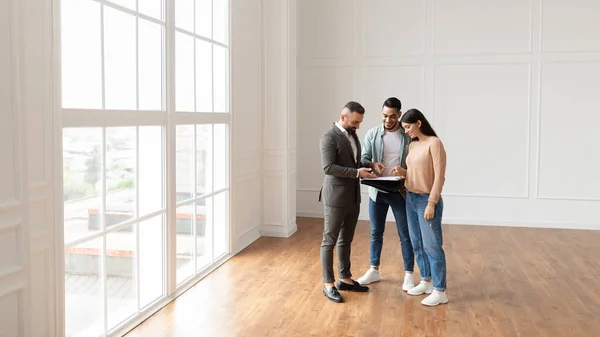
column 279, row 119
column 511, row 88
column 246, row 94
column 28, row 266
column 264, row 112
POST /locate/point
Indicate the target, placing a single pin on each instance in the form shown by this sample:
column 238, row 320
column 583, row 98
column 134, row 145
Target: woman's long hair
column 412, row 116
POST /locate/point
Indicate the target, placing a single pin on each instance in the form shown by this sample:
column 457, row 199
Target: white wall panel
column 37, row 99
column 510, row 86
column 27, row 264
column 405, row 82
column 325, row 28
column 570, row 26
column 39, row 212
column 323, row 91
column 14, row 234
column 246, row 63
column 7, row 122
column 274, row 182
column 41, row 279
column 569, row 159
column 9, row 241
column 10, row 306
column 482, row 27
column 393, row 28
column 280, row 112
column 247, row 102
column 481, row 113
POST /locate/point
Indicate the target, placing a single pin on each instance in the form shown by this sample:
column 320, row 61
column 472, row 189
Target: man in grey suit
column 340, row 193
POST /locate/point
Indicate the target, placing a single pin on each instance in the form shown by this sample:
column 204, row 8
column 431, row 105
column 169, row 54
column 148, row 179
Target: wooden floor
column 501, row 282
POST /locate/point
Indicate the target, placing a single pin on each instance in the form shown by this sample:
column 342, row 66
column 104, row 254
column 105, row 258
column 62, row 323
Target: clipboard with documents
column 388, row 184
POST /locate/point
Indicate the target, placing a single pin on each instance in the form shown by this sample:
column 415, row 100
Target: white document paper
column 390, row 178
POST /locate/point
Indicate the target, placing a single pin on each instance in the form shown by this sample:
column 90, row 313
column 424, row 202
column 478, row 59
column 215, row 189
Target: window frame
column 168, row 118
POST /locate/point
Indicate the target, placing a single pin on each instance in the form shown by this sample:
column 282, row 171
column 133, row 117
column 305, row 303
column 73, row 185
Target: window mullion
column 195, row 84
column 171, row 169
column 137, row 215
column 103, row 278
column 137, row 62
column 102, row 57
column 194, row 184
column 212, row 204
column 212, row 54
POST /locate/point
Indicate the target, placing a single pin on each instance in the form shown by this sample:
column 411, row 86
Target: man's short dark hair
column 393, row 103
column 355, row 107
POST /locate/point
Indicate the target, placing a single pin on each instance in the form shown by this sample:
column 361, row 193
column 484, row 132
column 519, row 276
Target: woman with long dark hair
column 425, row 175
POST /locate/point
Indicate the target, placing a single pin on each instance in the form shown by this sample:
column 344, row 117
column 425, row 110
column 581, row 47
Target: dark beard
column 396, row 124
column 351, row 131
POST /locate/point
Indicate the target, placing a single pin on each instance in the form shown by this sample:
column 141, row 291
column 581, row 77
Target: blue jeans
column 377, row 213
column 426, row 237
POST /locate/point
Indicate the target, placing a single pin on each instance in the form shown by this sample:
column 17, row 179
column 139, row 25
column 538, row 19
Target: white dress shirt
column 352, row 143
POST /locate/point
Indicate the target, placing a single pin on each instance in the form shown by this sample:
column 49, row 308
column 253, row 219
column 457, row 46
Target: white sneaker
column 436, row 297
column 408, row 282
column 422, row 288
column 369, row 277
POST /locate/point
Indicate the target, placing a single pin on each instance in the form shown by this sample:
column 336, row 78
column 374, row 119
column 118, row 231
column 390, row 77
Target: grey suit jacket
column 341, row 186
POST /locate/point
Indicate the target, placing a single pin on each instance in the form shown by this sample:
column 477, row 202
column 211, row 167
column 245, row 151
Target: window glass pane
column 151, row 255
column 184, row 66
column 184, row 14
column 204, row 159
column 204, row 221
column 220, row 21
column 84, row 304
column 120, row 273
column 120, row 174
column 221, row 156
column 151, row 8
column 185, row 242
column 184, row 164
column 150, row 65
column 119, row 59
column 82, row 174
column 204, row 83
column 221, row 224
column 151, row 169
column 81, row 54
column 204, row 18
column 126, row 3
column 221, row 79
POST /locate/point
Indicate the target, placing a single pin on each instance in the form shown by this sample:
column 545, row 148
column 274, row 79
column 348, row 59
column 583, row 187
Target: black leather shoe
column 352, row 287
column 333, row 294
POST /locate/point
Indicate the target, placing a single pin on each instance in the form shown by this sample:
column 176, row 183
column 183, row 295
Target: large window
column 145, row 91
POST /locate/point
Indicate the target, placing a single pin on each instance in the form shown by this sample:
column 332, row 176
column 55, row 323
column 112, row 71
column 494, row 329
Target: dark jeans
column 340, row 223
column 378, row 211
column 427, row 239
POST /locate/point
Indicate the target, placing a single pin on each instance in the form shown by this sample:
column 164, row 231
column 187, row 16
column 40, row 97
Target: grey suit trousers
column 340, row 223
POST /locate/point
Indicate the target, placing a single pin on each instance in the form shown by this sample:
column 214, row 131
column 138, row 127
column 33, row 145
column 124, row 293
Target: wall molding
column 279, row 231
column 246, row 175
column 12, row 280
column 246, row 239
column 274, row 173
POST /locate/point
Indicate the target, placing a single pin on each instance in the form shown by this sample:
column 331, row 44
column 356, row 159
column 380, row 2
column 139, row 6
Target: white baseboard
column 278, row 231
column 246, row 239
column 529, row 224
column 310, row 215
column 361, row 216
column 479, row 222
